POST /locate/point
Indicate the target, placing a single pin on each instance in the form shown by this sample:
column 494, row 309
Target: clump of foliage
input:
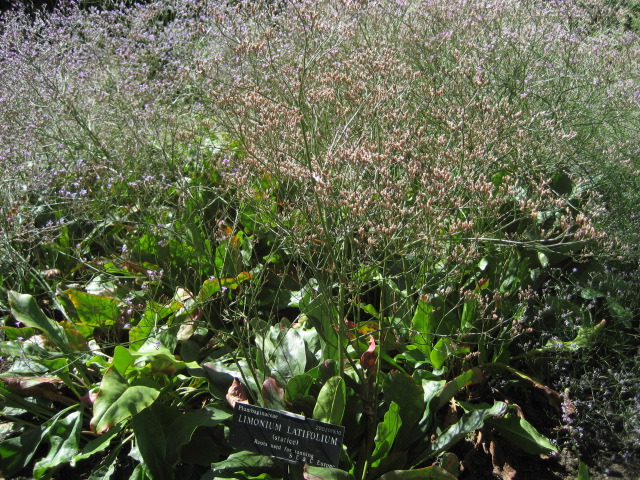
column 406, row 210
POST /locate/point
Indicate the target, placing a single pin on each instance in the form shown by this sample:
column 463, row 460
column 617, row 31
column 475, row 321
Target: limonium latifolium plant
column 397, row 216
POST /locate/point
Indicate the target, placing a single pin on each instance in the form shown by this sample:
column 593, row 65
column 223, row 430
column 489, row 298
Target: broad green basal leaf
column 94, row 310
column 386, row 433
column 297, row 392
column 321, row 473
column 63, row 437
column 434, row 473
column 469, row 422
column 405, row 391
column 17, row 452
column 118, row 401
column 583, row 471
column 522, row 434
column 152, row 444
column 96, row 445
column 107, row 467
column 331, row 401
column 440, row 352
column 284, row 352
column 470, row 377
column 122, row 360
column 423, row 324
column 184, row 426
column 243, row 462
column 62, row 430
column 26, row 310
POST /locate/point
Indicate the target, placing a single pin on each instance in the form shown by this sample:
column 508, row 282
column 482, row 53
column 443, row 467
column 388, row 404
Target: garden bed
column 416, row 220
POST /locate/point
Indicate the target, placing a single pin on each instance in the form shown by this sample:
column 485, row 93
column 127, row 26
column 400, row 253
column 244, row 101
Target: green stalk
column 341, row 294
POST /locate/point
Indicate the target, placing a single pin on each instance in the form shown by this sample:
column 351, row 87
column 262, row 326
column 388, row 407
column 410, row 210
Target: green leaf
column 585, row 338
column 243, row 462
column 160, row 360
column 152, row 444
column 284, row 352
column 17, row 452
column 107, row 466
column 583, row 471
column 470, row 377
column 214, row 285
column 590, row 294
column 111, row 267
column 431, row 388
column 321, row 473
column 96, row 445
column 331, row 401
column 509, row 284
column 435, row 472
column 619, row 312
column 297, row 392
column 203, row 448
column 396, row 460
column 290, row 357
column 450, row 462
column 94, row 310
column 30, row 360
column 439, row 353
column 468, row 315
column 562, row 184
column 386, row 434
column 521, row 433
column 101, row 285
column 117, row 401
column 184, row 426
column 139, row 473
column 322, row 314
column 13, row 400
column 64, row 440
column 122, row 360
column 543, row 259
column 13, row 333
column 469, row 422
column 496, row 178
column 405, row 391
column 422, row 322
column 140, row 332
column 370, row 309
column 298, row 386
column 26, row 310
column 77, row 340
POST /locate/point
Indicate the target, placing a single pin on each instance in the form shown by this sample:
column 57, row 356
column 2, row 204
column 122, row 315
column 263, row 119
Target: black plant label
column 286, row 436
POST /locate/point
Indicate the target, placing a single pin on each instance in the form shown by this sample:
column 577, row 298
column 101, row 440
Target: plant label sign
column 286, row 436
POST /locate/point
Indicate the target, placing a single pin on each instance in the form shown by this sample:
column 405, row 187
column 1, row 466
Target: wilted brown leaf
column 43, row 387
column 236, row 393
column 368, row 358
